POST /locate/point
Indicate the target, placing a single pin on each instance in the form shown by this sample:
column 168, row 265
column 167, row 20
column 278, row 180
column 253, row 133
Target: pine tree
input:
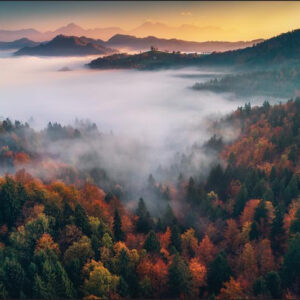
column 176, row 238
column 152, row 243
column 117, row 227
column 273, row 283
column 144, row 223
column 240, row 201
column 219, row 272
column 179, row 277
column 278, row 235
column 13, row 277
column 82, row 220
column 291, row 264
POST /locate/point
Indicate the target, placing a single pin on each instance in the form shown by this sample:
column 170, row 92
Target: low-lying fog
column 153, row 115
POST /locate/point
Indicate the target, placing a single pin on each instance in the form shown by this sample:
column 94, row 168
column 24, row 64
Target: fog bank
column 149, row 119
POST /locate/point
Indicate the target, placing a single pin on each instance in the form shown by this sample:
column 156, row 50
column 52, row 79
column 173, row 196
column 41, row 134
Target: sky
column 237, row 20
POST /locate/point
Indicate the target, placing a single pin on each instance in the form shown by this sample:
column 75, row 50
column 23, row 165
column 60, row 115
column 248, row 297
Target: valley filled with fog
column 148, row 118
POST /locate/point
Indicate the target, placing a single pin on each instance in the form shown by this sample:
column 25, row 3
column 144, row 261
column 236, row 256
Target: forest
column 235, row 234
column 275, row 83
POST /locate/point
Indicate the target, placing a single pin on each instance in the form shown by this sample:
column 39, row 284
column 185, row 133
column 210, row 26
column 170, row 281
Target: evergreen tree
column 179, row 277
column 273, row 283
column 68, row 213
column 122, row 288
column 191, row 192
column 291, row 265
column 176, row 238
column 260, row 287
column 117, row 227
column 144, row 223
column 218, row 273
column 13, row 277
column 278, row 235
column 82, row 220
column 240, row 201
column 152, row 243
column 10, row 201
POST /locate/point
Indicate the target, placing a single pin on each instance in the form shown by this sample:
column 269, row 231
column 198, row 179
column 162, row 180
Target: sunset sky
column 226, row 20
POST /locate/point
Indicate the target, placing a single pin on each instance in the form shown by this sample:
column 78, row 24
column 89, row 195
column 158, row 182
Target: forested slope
column 234, row 235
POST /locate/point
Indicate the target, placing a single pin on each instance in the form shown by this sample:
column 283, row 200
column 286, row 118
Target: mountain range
column 17, row 44
column 276, row 52
column 185, row 32
column 67, row 46
column 70, row 45
column 134, row 43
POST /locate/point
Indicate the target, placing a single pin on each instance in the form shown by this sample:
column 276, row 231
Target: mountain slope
column 144, row 61
column 135, row 43
column 277, row 50
column 17, row 44
column 67, row 46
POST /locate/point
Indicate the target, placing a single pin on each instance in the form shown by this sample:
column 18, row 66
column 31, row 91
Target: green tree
column 179, row 277
column 152, row 243
column 13, row 277
column 218, row 273
column 260, row 287
column 291, row 265
column 175, row 238
column 117, row 227
column 278, row 235
column 144, row 223
column 11, row 201
column 82, row 220
column 240, row 201
column 274, row 284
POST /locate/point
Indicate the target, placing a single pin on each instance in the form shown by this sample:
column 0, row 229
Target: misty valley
column 130, row 171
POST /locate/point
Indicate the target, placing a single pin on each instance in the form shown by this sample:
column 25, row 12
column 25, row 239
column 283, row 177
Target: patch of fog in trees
column 151, row 122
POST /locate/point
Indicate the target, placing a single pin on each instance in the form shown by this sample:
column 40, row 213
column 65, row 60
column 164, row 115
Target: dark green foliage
column 179, row 277
column 191, row 193
column 122, row 287
column 82, row 220
column 273, row 283
column 152, row 243
column 144, row 223
column 260, row 287
column 175, row 238
column 278, row 236
column 12, row 197
column 291, row 264
column 117, row 227
column 240, row 201
column 13, row 277
column 218, row 273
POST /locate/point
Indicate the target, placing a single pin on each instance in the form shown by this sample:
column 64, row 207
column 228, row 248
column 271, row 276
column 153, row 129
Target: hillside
column 272, row 52
column 149, row 60
column 283, row 83
column 280, row 51
column 135, row 43
column 234, row 235
column 67, row 46
column 17, row 44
